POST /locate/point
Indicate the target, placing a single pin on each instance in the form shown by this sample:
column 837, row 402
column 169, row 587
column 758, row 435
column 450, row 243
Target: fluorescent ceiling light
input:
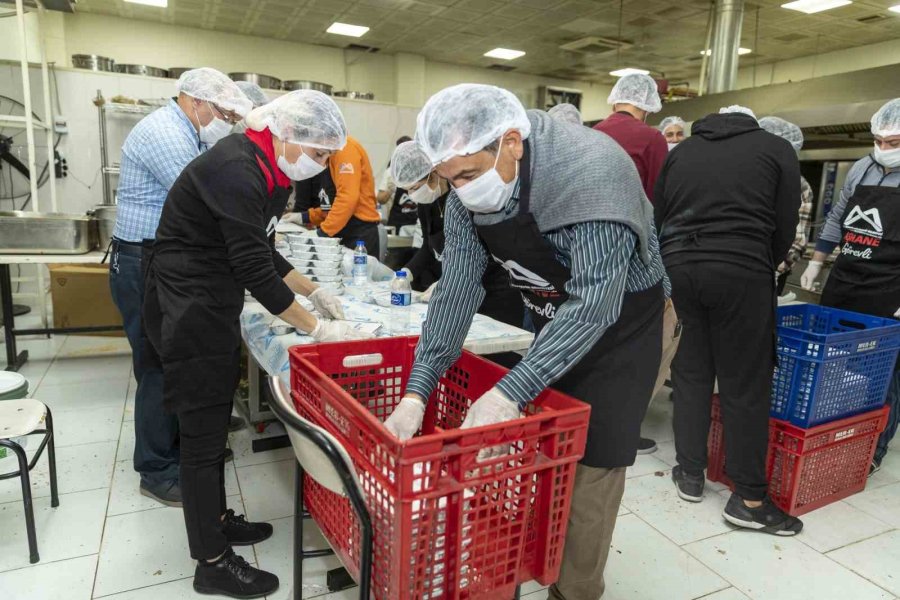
column 813, row 6
column 158, row 3
column 504, row 53
column 344, row 29
column 628, row 71
column 741, row 52
column 895, row 9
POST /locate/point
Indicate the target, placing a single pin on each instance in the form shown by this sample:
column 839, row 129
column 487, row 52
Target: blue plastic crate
column 831, row 363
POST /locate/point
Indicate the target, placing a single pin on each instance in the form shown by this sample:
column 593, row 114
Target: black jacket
column 729, row 193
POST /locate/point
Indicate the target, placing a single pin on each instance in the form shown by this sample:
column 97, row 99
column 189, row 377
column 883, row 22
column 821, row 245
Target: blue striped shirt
column 605, row 264
column 154, row 154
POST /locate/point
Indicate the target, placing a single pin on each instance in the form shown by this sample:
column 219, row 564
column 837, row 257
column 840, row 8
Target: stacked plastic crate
column 828, row 392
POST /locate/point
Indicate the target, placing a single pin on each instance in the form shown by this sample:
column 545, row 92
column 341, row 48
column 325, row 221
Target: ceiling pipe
column 726, row 39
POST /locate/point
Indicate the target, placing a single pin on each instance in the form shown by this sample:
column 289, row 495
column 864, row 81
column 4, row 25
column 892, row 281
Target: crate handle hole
column 363, row 360
column 852, row 324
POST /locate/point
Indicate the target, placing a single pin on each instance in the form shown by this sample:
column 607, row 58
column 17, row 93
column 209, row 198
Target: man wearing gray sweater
column 562, row 210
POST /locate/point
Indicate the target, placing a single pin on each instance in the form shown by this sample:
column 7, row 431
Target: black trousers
column 357, row 229
column 204, row 432
column 728, row 314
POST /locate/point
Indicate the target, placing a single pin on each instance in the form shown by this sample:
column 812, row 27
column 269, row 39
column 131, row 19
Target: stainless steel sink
column 46, row 233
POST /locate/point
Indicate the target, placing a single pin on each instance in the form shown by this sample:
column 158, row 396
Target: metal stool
column 25, row 417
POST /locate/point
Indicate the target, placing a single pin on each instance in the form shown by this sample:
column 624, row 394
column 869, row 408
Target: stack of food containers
column 318, row 258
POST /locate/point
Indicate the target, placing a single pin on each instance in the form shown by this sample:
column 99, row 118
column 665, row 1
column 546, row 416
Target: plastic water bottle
column 360, row 264
column 401, row 298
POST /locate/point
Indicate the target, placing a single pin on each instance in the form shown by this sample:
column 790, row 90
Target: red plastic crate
column 808, row 468
column 446, row 526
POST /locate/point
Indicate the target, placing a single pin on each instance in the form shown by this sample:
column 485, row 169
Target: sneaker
column 165, row 493
column 767, row 517
column 229, row 454
column 241, row 532
column 874, row 467
column 690, row 487
column 236, row 424
column 646, row 446
column 233, row 576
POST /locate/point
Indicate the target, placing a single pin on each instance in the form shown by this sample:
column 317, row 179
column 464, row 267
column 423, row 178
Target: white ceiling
column 667, row 37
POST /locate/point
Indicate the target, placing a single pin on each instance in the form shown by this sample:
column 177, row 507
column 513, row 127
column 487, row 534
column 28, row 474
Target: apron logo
column 270, row 228
column 324, row 200
column 871, row 218
column 862, row 232
column 522, row 278
column 548, row 311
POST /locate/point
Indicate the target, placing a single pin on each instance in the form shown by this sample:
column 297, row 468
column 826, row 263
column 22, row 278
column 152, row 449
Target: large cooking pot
column 93, row 62
column 301, row 84
column 263, row 81
column 176, row 72
column 105, row 214
column 142, row 70
column 355, row 95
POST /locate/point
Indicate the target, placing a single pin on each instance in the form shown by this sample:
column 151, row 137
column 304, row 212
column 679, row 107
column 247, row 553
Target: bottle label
column 360, row 260
column 401, row 298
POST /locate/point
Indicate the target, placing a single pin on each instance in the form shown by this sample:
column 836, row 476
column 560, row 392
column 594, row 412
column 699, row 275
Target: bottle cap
column 360, row 243
column 400, row 273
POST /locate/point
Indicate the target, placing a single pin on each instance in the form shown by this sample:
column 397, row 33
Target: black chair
column 20, row 418
column 321, row 456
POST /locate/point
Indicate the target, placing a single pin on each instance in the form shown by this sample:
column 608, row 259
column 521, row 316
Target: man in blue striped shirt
column 155, row 152
column 563, row 211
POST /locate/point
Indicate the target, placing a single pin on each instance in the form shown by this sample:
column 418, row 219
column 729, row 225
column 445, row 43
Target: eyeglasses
column 231, row 117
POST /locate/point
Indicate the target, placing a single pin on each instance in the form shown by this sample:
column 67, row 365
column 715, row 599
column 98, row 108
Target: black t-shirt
column 315, row 192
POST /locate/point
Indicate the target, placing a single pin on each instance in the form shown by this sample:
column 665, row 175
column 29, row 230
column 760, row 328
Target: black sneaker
column 236, row 424
column 690, row 487
column 168, row 493
column 874, row 467
column 767, row 517
column 233, row 576
column 241, row 532
column 646, row 446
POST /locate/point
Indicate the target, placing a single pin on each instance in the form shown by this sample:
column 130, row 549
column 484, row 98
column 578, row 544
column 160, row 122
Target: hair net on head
column 253, row 92
column 886, row 122
column 566, row 112
column 464, row 118
column 637, row 90
column 409, row 164
column 669, row 121
column 783, row 129
column 736, row 108
column 304, row 117
column 213, row 86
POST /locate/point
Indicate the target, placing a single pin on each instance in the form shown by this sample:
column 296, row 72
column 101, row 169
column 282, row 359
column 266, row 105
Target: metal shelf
column 139, row 109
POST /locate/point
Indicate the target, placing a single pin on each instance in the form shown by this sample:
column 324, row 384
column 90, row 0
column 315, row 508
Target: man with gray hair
column 586, row 261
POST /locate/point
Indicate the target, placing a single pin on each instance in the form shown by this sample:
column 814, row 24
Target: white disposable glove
column 897, row 314
column 406, row 419
column 810, row 275
column 293, row 217
column 493, row 407
column 336, row 331
column 326, row 303
column 426, row 295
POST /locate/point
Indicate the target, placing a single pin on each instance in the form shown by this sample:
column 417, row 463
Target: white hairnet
column 213, row 86
column 886, row 122
column 304, row 117
column 783, row 129
column 253, row 92
column 669, row 121
column 464, row 118
column 566, row 112
column 736, row 108
column 637, row 90
column 409, row 164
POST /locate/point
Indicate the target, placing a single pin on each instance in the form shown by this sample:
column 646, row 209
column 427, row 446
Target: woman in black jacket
column 215, row 239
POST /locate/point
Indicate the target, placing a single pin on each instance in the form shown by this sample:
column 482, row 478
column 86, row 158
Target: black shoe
column 233, row 576
column 767, row 517
column 690, row 487
column 229, row 454
column 165, row 493
column 236, row 424
column 875, row 466
column 646, row 446
column 241, row 532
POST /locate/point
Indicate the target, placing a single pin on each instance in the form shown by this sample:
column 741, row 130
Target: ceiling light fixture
column 156, row 3
column 741, row 52
column 504, row 54
column 814, row 6
column 895, row 9
column 345, row 29
column 628, row 71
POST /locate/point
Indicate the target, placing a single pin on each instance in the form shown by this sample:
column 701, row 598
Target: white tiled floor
column 105, row 540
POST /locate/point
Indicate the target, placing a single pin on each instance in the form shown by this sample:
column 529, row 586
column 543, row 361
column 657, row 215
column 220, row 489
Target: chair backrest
column 320, row 454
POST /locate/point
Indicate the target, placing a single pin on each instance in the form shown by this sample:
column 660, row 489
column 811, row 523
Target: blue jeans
column 892, row 400
column 156, row 454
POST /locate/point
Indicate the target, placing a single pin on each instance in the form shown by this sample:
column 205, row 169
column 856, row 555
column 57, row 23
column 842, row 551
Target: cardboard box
column 81, row 297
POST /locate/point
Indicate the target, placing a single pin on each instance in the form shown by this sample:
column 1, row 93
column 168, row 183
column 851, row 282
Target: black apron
column 866, row 274
column 192, row 307
column 404, row 210
column 616, row 376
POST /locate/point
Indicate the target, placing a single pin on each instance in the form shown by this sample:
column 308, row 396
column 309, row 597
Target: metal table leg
column 14, row 359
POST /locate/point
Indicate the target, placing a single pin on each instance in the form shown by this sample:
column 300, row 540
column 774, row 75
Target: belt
column 126, row 247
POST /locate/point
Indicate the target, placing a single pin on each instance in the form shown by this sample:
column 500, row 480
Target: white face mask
column 670, row 145
column 488, row 193
column 889, row 159
column 213, row 131
column 425, row 194
column 304, row 168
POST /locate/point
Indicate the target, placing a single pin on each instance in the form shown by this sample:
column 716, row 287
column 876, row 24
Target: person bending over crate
column 562, row 210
